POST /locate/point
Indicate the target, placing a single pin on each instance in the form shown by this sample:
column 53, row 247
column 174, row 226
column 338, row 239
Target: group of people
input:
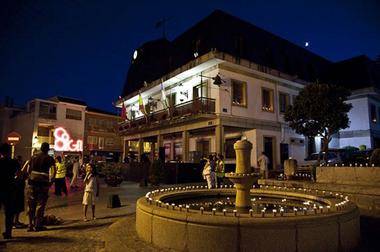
column 39, row 173
column 213, row 170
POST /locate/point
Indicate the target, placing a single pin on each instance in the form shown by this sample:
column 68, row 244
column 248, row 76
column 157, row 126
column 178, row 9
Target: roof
column 68, row 100
column 100, row 111
column 225, row 33
column 354, row 73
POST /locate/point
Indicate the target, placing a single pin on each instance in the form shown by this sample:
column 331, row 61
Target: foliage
column 156, row 173
column 375, row 157
column 362, row 147
column 319, row 110
column 113, row 173
column 350, row 148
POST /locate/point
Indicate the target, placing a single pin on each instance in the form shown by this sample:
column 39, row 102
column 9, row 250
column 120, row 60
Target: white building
column 362, row 76
column 41, row 118
column 197, row 117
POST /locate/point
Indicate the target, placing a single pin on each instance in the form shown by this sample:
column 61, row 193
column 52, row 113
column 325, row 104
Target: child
column 91, row 190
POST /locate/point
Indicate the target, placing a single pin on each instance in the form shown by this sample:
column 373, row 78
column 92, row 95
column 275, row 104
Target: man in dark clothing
column 38, row 187
column 8, row 168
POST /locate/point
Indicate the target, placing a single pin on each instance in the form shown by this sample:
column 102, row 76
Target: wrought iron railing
column 198, row 106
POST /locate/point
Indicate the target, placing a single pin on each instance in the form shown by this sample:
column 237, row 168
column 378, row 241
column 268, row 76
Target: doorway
column 269, row 151
column 203, row 146
column 284, row 152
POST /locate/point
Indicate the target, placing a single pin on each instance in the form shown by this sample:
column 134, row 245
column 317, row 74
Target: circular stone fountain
column 265, row 218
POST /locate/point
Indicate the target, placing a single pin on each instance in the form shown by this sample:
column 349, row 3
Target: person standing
column 145, row 165
column 219, row 170
column 91, row 191
column 38, row 187
column 74, row 180
column 8, row 168
column 263, row 162
column 19, row 193
column 207, row 173
column 60, row 177
column 212, row 159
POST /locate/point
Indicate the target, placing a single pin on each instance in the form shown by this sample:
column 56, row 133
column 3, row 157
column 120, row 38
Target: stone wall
column 367, row 198
column 194, row 231
column 359, row 176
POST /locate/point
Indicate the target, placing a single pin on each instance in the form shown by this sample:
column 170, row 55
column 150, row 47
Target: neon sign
column 63, row 141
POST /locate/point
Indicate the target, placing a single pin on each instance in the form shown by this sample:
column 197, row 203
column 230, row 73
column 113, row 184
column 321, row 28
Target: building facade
column 205, row 118
column 101, row 139
column 41, row 118
column 225, row 79
column 67, row 124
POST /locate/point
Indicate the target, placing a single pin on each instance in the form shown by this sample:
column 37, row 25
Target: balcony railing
column 198, row 106
column 52, row 116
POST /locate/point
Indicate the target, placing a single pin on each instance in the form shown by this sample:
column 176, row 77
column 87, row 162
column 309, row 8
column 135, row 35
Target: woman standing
column 60, row 177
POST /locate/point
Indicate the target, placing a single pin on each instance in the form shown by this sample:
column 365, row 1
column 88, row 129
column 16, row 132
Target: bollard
column 114, row 201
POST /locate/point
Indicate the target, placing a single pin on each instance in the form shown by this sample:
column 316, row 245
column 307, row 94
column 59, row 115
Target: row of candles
column 350, row 165
column 338, row 206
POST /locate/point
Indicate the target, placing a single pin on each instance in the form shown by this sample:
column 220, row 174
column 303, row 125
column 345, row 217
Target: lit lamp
column 35, row 140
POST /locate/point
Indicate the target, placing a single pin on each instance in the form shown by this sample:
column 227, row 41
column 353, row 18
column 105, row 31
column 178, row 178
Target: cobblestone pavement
column 74, row 234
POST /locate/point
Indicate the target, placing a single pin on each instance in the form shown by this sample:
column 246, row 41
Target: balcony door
column 200, row 91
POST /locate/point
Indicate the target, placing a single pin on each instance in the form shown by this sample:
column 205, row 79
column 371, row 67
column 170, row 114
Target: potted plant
column 113, row 174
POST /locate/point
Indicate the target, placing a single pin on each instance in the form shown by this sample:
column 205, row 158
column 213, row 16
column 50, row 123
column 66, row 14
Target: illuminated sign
column 63, row 141
column 16, row 139
column 13, row 137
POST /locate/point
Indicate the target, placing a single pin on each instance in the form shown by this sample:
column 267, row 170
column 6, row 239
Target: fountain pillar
column 243, row 177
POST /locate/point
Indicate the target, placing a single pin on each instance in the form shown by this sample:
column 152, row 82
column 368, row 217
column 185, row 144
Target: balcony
column 197, row 108
column 50, row 116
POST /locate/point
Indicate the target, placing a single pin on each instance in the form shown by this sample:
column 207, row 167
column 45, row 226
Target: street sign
column 13, row 138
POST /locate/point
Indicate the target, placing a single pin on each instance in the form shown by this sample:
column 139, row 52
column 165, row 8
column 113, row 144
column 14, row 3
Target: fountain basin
column 332, row 228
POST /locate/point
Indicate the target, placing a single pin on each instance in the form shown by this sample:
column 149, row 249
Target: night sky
column 83, row 48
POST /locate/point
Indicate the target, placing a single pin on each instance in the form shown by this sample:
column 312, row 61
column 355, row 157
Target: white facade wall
column 223, row 106
column 74, row 127
column 359, row 115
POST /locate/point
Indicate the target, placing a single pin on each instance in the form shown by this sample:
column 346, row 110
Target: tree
column 319, row 110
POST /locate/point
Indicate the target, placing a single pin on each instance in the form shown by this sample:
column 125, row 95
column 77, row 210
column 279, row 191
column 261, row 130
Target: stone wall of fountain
column 326, row 222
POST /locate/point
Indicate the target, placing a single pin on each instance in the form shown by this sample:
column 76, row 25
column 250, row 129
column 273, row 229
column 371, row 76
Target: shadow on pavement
column 370, row 230
column 37, row 240
column 85, row 225
column 115, row 216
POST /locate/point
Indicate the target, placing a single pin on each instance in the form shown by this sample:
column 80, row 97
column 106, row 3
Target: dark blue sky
column 83, row 48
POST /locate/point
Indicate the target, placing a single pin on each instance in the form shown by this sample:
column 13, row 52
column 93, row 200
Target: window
column 93, row 140
column 178, row 151
column 43, row 131
column 48, row 110
column 239, row 93
column 203, row 146
column 168, row 148
column 267, row 99
column 283, row 102
column 200, row 91
column 110, row 142
column 101, row 142
column 171, row 98
column 373, row 113
column 73, row 114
